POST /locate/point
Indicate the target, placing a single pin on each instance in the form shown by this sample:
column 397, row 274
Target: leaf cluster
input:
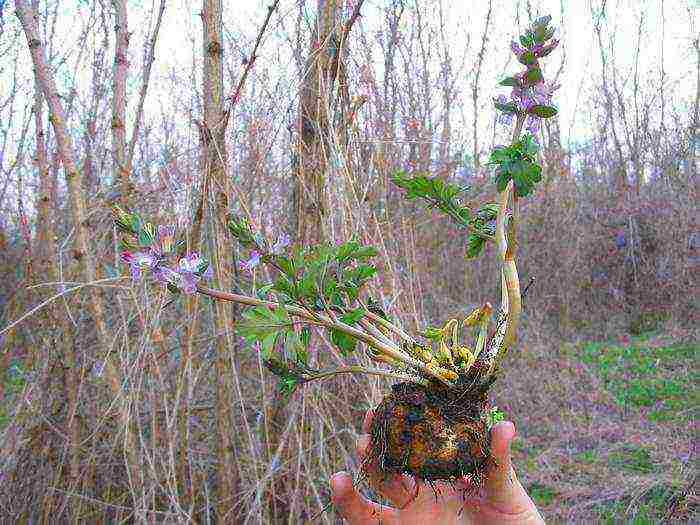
column 438, row 193
column 538, row 33
column 484, row 221
column 324, row 279
column 517, row 162
column 323, row 276
column 241, row 231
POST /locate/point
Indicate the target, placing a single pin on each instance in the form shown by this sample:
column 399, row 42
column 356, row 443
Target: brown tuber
column 433, row 432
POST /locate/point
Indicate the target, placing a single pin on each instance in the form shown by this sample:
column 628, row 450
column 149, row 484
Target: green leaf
column 288, row 378
column 533, row 76
column 526, row 40
column 286, row 287
column 542, row 21
column 494, row 416
column 502, row 181
column 510, row 107
column 488, row 211
column 294, row 347
column 436, row 191
column 346, row 343
column 262, row 292
column 267, row 344
column 527, row 58
column 353, row 316
column 146, row 235
column 529, row 146
column 432, row 333
column 263, row 325
column 475, row 245
column 510, row 81
column 240, row 229
column 305, row 337
column 500, row 154
column 285, row 264
column 543, row 111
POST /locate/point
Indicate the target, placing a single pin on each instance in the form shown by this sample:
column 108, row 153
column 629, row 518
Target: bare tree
column 82, row 252
column 310, row 201
column 216, row 191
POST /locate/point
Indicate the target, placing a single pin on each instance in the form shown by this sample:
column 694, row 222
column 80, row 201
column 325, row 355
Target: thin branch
column 251, row 59
column 144, row 87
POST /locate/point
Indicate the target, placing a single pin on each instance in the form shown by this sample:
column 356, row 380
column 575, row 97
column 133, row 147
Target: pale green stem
column 389, row 326
column 389, row 350
column 510, row 285
column 361, row 370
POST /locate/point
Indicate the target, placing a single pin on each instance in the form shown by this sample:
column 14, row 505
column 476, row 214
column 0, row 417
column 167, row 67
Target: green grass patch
column 639, row 374
column 632, row 459
column 542, row 495
column 649, row 509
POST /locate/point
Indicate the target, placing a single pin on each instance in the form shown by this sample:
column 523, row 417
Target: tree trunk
column 216, row 192
column 120, row 71
column 82, row 253
column 310, row 202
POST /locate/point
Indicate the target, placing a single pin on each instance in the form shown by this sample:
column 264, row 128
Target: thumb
column 354, row 507
column 503, row 489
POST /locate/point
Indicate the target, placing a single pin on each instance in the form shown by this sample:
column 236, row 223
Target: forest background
column 120, row 402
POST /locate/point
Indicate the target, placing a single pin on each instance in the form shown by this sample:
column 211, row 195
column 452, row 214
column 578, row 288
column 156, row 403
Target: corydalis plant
column 435, row 423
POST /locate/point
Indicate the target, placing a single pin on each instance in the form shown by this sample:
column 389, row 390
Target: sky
column 667, row 30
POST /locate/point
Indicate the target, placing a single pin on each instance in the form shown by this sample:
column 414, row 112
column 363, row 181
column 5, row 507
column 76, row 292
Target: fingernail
column 336, row 481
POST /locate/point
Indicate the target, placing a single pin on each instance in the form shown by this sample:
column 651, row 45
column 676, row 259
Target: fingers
column 502, row 435
column 354, row 507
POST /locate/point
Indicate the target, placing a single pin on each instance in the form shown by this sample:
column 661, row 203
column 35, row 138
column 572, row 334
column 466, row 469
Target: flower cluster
column 531, row 96
column 150, row 249
column 257, row 256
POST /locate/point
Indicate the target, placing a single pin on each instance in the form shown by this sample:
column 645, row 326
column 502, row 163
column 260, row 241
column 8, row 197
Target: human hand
column 501, row 500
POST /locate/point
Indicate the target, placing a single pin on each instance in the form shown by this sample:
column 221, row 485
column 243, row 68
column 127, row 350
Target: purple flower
column 165, row 275
column 543, row 91
column 506, row 119
column 281, row 243
column 191, row 269
column 164, row 241
column 139, row 261
column 251, row 263
column 515, row 47
column 532, row 124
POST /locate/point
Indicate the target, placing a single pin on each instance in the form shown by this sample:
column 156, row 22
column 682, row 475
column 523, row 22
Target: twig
column 251, row 60
column 144, row 87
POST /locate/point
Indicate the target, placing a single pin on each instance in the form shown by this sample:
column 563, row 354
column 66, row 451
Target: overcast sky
column 670, row 35
column 668, row 29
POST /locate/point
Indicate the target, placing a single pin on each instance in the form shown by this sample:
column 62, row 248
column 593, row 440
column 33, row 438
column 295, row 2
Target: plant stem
column 510, row 284
column 361, row 370
column 388, row 325
column 390, row 350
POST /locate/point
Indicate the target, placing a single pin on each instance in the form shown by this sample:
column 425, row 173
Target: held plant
column 435, row 423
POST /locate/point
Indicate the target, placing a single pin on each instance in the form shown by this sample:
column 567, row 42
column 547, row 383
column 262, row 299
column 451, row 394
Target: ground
column 610, row 439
